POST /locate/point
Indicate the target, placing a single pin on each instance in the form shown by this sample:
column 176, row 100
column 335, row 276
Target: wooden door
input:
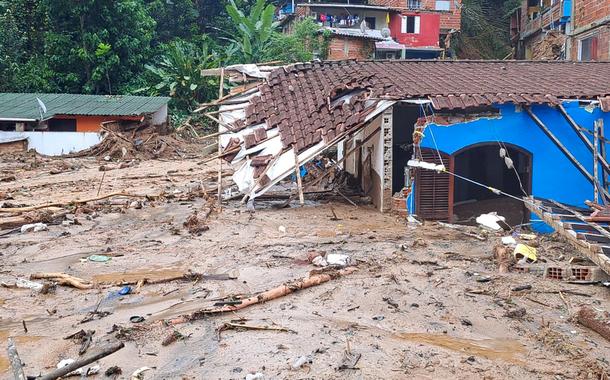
column 434, row 191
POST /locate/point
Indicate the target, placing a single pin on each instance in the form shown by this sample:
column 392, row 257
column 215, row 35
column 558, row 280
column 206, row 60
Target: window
column 587, row 49
column 62, row 125
column 410, row 24
column 414, row 4
column 370, row 22
column 443, row 5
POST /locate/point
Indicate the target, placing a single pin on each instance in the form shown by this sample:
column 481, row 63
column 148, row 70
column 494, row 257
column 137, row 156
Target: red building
column 409, row 28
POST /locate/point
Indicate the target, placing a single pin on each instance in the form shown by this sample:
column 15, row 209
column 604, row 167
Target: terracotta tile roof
column 302, row 100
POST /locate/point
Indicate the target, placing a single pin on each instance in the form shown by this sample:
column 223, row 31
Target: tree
column 305, row 42
column 97, row 46
column 254, row 30
column 178, row 74
column 175, row 19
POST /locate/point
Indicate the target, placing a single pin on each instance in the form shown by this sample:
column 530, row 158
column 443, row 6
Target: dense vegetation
column 159, row 47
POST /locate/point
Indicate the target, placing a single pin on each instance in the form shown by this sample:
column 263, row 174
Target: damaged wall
column 554, row 176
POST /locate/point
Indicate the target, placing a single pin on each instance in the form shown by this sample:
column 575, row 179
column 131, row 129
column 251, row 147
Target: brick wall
column 449, row 19
column 603, row 43
column 589, row 11
column 350, row 48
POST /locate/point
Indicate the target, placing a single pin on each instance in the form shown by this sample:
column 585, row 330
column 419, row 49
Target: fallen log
column 16, row 364
column 69, row 203
column 598, row 322
column 103, row 352
column 63, row 279
column 265, row 296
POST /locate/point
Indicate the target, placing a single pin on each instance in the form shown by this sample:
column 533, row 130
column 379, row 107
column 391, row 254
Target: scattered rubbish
column 25, row 284
column 78, row 372
column 527, row 236
column 135, row 205
column 136, row 319
column 525, row 254
column 99, row 258
column 490, row 221
column 125, row 290
column 301, row 361
column 34, row 227
column 509, row 240
column 338, row 259
column 483, row 279
column 239, row 326
column 138, row 374
column 255, row 376
column 465, row 322
column 522, row 288
column 84, row 337
column 63, row 279
column 598, row 321
column 378, row 317
column 516, row 313
column 349, row 359
column 391, row 302
column 172, row 337
column 280, row 291
column 502, row 257
column 282, row 229
column 113, row 371
column 319, row 261
column 69, row 366
column 419, row 243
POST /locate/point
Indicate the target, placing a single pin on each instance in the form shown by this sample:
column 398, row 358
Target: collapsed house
column 55, row 124
column 519, row 128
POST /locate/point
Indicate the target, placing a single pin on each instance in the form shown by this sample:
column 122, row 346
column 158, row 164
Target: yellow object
column 387, row 18
column 522, row 250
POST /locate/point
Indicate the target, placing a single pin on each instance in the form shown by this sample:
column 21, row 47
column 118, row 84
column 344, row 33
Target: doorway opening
column 490, row 164
column 404, row 118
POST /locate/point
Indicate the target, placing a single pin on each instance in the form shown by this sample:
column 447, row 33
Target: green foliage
column 176, row 19
column 254, row 30
column 178, row 74
column 303, row 44
column 485, row 28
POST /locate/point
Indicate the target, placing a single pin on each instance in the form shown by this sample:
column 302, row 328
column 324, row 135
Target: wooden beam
column 563, row 149
column 220, row 93
column 593, row 252
column 297, row 172
column 578, row 129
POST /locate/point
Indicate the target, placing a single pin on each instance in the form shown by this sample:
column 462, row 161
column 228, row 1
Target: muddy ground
column 425, row 302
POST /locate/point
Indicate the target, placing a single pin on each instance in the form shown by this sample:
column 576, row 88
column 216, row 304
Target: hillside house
column 56, row 124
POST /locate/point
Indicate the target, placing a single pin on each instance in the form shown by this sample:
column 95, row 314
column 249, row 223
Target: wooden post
column 220, row 94
column 563, row 149
column 602, row 147
column 297, row 172
column 15, row 361
column 595, row 169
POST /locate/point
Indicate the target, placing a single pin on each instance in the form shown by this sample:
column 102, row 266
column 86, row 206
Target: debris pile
column 550, row 48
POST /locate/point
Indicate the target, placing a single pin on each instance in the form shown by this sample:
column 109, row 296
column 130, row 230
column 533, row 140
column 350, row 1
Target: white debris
column 491, row 221
column 527, row 236
column 67, row 223
column 24, row 284
column 255, row 376
column 301, row 361
column 107, row 158
column 282, row 229
column 138, row 374
column 36, row 227
column 319, row 261
column 509, row 240
column 338, row 259
column 426, row 165
column 67, row 362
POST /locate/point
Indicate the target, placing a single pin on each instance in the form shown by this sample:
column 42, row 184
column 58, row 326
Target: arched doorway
column 489, row 164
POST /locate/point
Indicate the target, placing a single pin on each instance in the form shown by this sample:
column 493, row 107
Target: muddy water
column 504, row 349
column 20, row 341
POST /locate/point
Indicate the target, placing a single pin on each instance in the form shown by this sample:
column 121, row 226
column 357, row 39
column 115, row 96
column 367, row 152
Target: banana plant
column 254, row 30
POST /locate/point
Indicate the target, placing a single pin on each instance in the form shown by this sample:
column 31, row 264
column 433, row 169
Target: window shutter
column 434, row 191
column 416, row 29
column 594, row 48
column 403, row 25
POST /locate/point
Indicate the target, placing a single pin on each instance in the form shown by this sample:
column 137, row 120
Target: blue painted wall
column 553, row 175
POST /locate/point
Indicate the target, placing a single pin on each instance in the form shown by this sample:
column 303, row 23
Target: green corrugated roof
column 25, row 106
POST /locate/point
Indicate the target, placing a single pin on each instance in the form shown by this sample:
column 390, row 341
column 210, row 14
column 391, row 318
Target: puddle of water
column 504, row 349
column 19, row 341
column 135, row 276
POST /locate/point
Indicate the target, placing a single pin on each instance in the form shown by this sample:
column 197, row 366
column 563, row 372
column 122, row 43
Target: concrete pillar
column 19, row 127
column 387, row 123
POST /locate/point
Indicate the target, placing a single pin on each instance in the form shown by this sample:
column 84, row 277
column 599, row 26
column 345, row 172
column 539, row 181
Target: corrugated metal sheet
column 25, row 106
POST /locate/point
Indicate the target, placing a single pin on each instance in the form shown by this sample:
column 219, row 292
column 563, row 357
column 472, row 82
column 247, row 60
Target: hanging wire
column 503, row 146
column 440, row 158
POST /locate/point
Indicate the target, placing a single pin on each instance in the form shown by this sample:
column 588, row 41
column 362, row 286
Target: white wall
column 56, row 143
column 160, row 117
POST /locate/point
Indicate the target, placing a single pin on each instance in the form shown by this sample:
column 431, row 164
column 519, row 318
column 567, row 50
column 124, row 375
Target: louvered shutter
column 434, row 191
